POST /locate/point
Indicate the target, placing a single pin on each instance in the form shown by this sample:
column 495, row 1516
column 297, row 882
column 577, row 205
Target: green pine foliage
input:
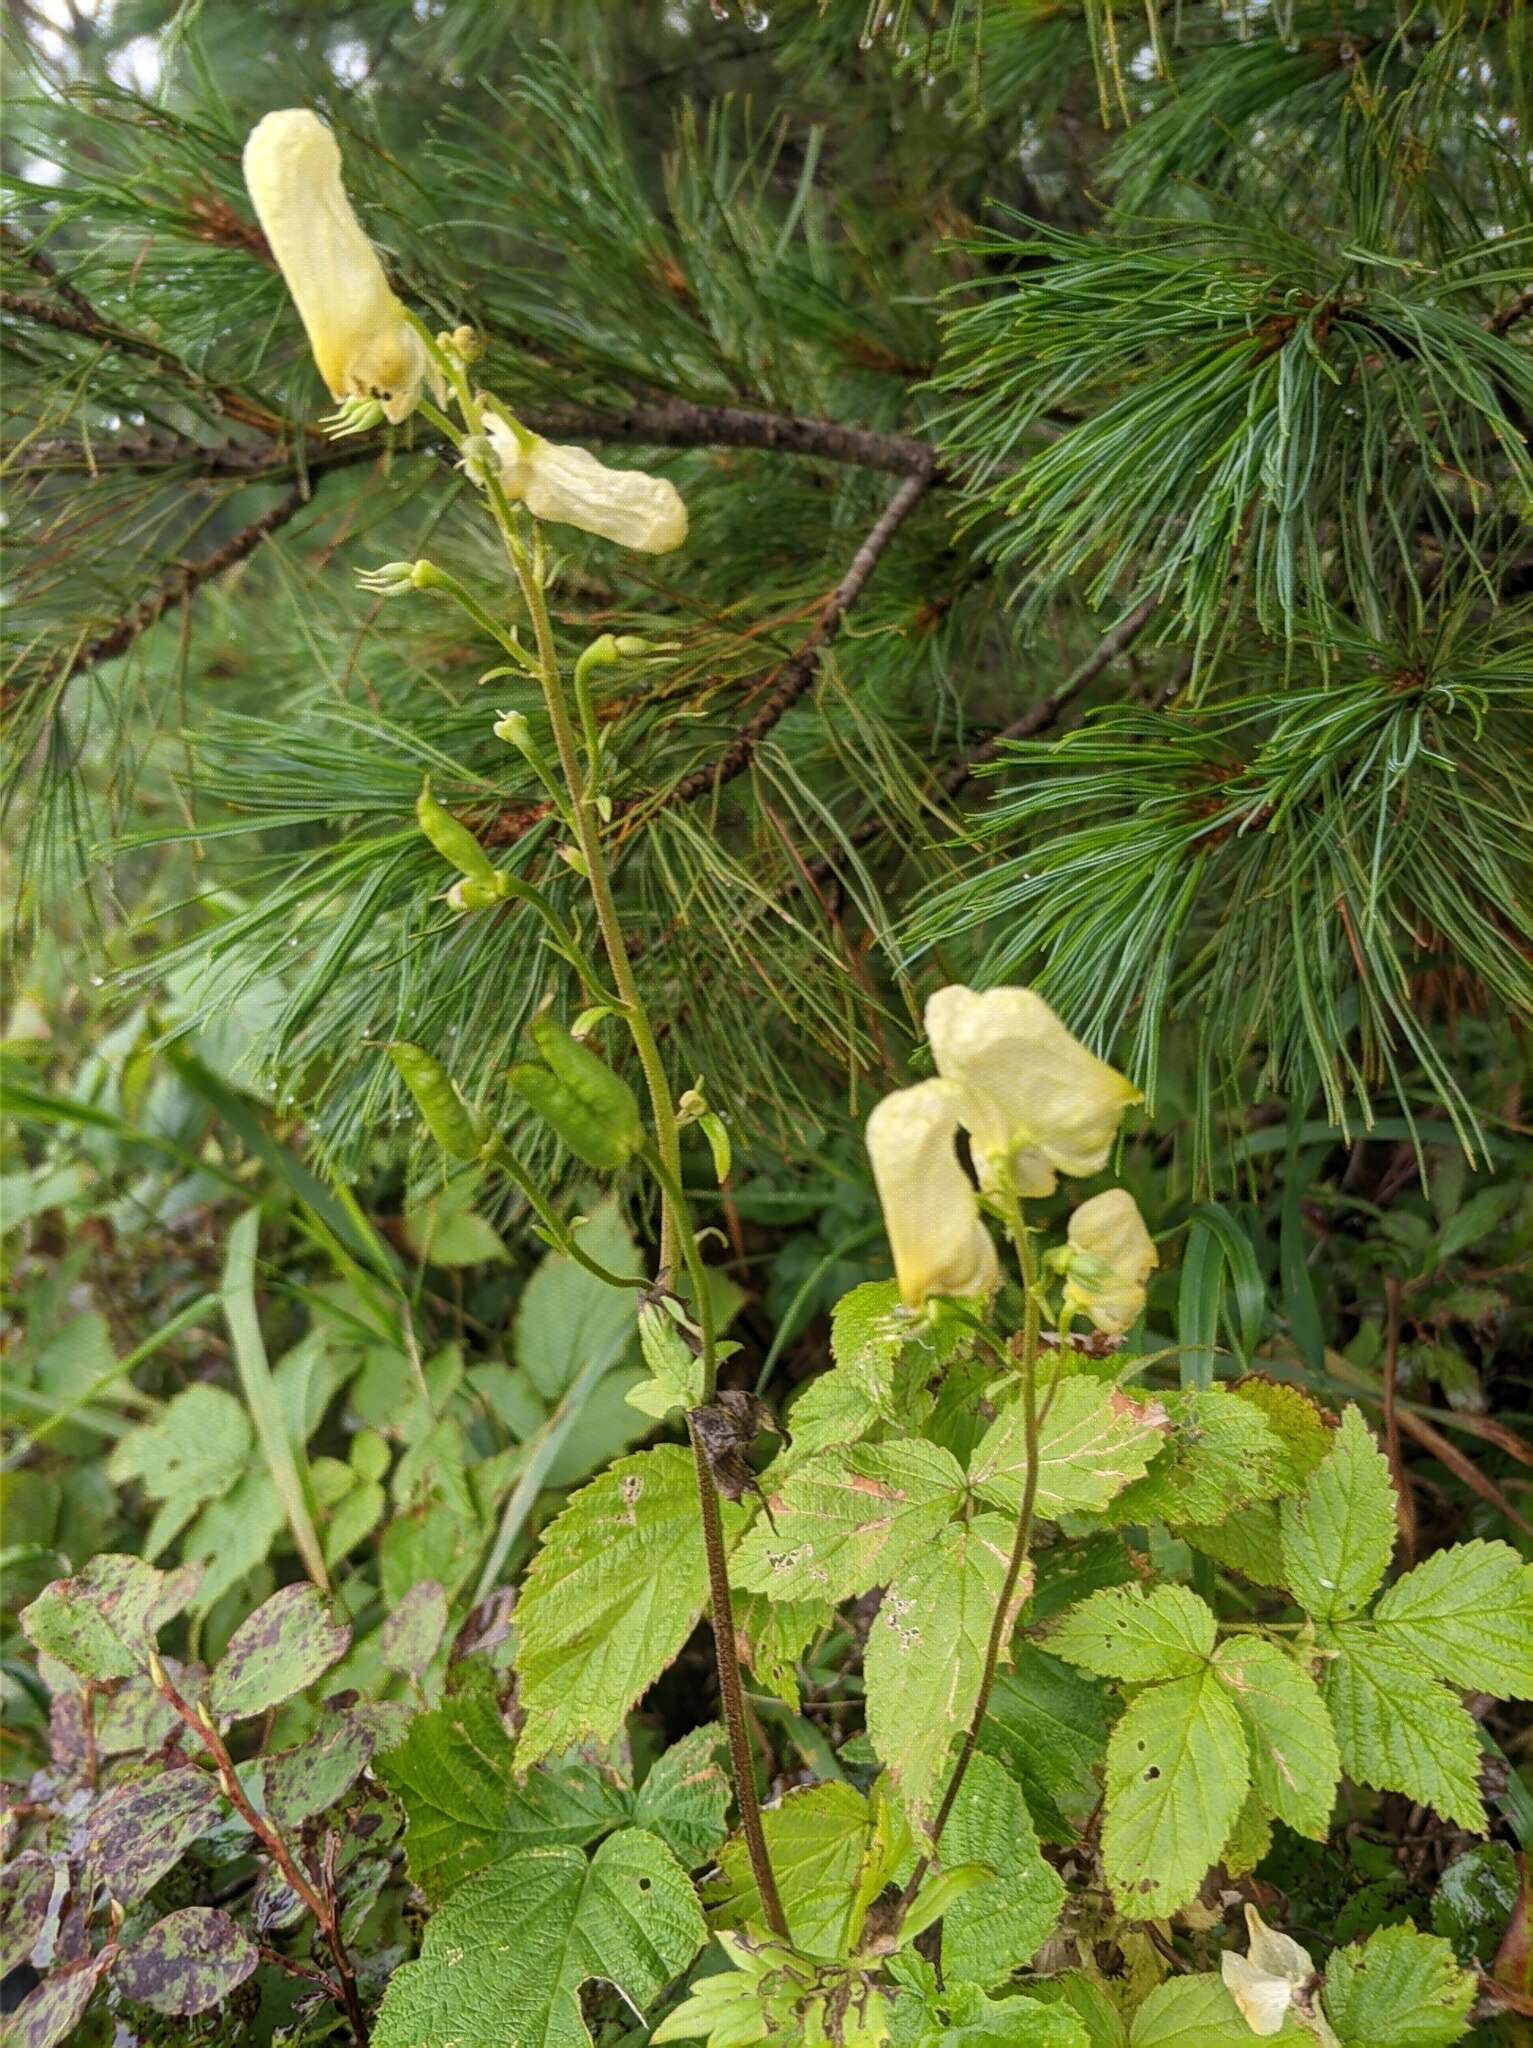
column 489, row 1552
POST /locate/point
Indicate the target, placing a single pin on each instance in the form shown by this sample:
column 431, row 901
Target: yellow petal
column 362, row 342
column 570, row 487
column 931, row 1213
column 1276, row 1954
column 1036, row 1098
column 1114, row 1256
column 1263, row 2000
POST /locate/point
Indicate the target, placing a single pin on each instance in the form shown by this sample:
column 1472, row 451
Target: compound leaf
column 1401, row 1730
column 505, row 1958
column 1467, row 1613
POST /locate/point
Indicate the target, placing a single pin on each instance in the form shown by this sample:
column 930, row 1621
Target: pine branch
column 176, row 588
column 793, row 677
column 1500, row 323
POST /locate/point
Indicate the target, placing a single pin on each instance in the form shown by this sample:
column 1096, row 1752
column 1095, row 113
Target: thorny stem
column 324, row 1909
column 678, row 1240
column 1000, row 1623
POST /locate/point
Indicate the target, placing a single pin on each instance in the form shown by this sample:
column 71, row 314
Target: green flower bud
column 445, row 1114
column 467, row 895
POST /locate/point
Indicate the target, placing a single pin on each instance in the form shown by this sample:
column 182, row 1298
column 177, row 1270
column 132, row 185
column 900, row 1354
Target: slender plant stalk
column 325, row 1910
column 999, row 1626
column 678, row 1240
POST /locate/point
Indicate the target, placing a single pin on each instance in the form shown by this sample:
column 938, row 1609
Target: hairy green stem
column 678, row 1240
column 999, row 1626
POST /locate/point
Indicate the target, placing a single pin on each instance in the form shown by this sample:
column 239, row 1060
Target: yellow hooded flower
column 362, row 342
column 1277, row 1976
column 570, row 487
column 1035, row 1100
column 931, row 1212
column 1110, row 1258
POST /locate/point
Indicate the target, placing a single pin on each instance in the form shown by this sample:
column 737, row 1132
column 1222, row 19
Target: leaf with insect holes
column 1176, row 1777
column 278, row 1651
column 926, row 1652
column 505, row 1958
column 1466, row 1613
column 1124, row 1632
column 1400, row 1729
column 1339, row 1535
column 995, row 1929
column 610, row 1598
column 102, row 1622
column 850, row 1519
column 1294, row 1761
column 1093, row 1441
column 187, row 1963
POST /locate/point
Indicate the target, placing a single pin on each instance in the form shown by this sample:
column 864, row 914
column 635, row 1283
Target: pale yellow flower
column 1036, row 1102
column 931, row 1213
column 570, row 487
column 1274, row 1981
column 363, row 343
column 1110, row 1258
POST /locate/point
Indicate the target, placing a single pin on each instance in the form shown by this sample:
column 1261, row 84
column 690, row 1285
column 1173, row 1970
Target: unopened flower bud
column 477, row 459
column 467, row 895
column 574, row 858
column 512, row 727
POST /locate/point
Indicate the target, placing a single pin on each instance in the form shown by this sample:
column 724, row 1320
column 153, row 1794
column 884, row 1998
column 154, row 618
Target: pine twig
column 183, row 583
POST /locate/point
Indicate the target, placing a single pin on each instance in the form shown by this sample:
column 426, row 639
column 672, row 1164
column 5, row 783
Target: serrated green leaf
column 821, row 1842
column 996, row 1928
column 1197, row 2012
column 1250, row 1542
column 613, row 1593
column 685, row 1797
column 1401, row 1730
column 850, row 1519
column 1249, row 1838
column 1400, row 1989
column 774, row 1634
column 926, row 1652
column 276, row 1652
column 1294, row 1761
column 464, row 1807
column 1094, row 1441
column 1466, row 1613
column 1176, row 1778
column 193, row 1452
column 1339, row 1535
column 1124, row 1632
column 1048, row 1725
column 961, row 2016
column 505, row 1958
column 1221, row 1454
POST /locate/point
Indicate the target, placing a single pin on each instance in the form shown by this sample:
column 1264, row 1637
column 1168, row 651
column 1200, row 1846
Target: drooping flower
column 1036, row 1102
column 362, row 341
column 931, row 1213
column 1277, row 1978
column 569, row 487
column 1111, row 1255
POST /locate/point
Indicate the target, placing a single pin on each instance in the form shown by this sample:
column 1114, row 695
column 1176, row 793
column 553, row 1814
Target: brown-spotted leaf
column 187, row 1963
column 52, row 2012
column 276, row 1652
column 304, row 1781
column 141, row 1828
column 26, row 1885
column 413, row 1631
column 102, row 1622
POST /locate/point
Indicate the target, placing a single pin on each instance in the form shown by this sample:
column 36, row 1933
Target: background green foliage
column 1193, row 690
